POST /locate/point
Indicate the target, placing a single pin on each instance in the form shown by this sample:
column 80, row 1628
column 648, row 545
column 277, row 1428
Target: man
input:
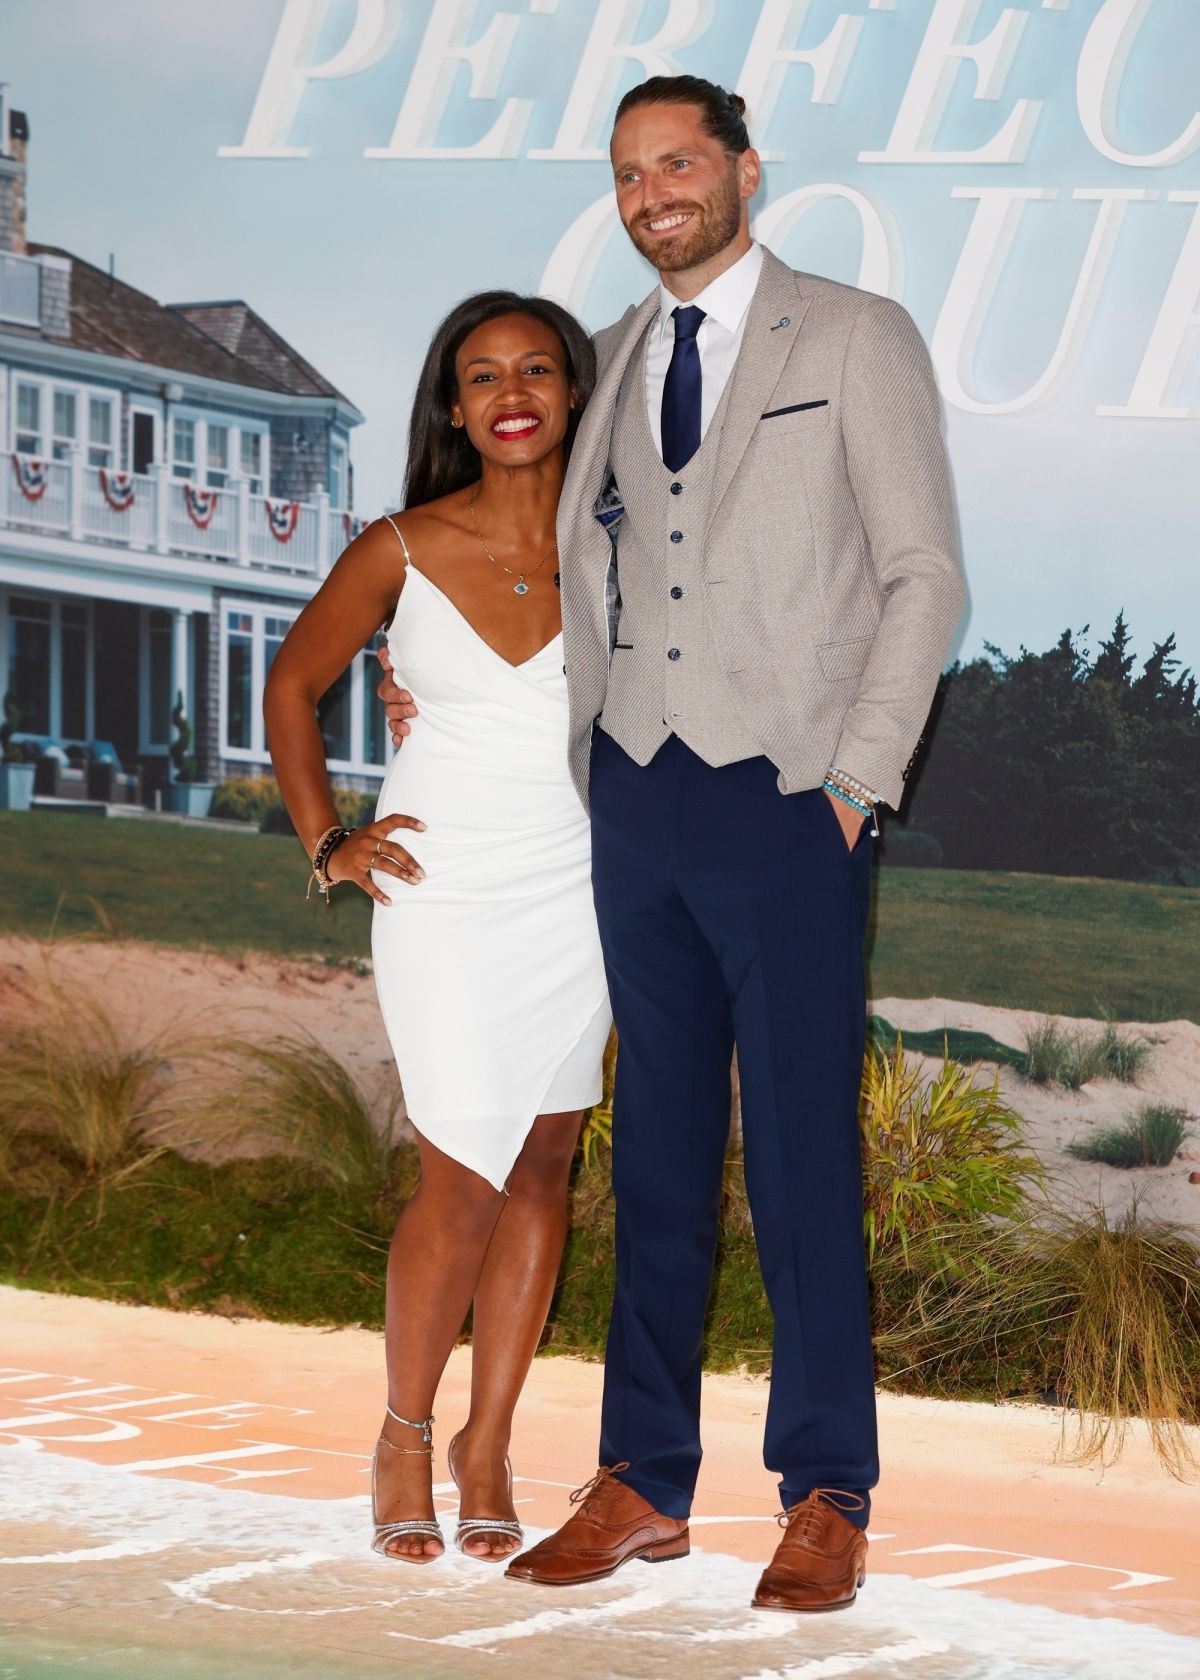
column 759, row 585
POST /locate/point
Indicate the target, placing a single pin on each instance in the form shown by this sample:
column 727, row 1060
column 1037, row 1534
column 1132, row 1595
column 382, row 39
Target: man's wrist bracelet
column 838, row 791
column 321, row 854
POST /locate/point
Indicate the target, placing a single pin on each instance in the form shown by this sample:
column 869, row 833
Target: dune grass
column 1056, row 1056
column 1034, row 942
column 1152, row 1137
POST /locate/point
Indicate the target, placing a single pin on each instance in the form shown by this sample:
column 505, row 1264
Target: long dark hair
column 724, row 112
column 441, row 457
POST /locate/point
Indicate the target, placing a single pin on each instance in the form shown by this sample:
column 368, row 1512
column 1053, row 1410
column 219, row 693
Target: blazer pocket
column 794, row 417
column 794, row 408
column 840, row 660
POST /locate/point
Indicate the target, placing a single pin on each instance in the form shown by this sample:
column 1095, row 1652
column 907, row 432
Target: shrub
column 67, row 1082
column 245, row 798
column 1071, row 1059
column 1106, row 1318
column 293, row 1093
column 945, row 1150
column 352, row 809
column 1151, row 1138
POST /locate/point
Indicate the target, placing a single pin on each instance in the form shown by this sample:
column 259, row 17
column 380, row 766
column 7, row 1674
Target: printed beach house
column 175, row 481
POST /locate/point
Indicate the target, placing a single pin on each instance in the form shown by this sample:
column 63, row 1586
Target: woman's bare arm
column 356, row 598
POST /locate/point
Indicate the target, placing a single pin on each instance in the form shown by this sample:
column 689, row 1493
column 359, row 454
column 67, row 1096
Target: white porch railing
column 154, row 513
column 20, row 289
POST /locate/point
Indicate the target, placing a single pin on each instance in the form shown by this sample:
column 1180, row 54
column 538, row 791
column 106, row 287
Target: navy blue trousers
column 732, row 913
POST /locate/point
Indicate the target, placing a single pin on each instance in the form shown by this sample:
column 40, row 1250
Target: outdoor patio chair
column 108, row 780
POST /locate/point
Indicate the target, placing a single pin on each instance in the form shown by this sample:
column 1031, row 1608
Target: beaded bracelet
column 853, row 785
column 322, row 852
column 848, row 798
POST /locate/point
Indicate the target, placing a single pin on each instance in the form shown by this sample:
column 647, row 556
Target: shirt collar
column 725, row 299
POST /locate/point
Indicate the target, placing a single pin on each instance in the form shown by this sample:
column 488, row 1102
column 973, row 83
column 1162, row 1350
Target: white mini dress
column 489, row 971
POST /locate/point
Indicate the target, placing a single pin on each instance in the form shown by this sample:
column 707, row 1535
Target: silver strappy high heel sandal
column 471, row 1528
column 427, row 1528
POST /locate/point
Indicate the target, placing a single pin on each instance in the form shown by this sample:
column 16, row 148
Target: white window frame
column 235, row 425
column 83, row 391
column 339, row 468
column 260, row 481
column 62, row 443
column 256, row 753
column 147, row 746
column 112, row 449
column 55, row 603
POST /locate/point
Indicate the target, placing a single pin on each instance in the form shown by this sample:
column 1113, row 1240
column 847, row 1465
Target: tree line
column 1062, row 762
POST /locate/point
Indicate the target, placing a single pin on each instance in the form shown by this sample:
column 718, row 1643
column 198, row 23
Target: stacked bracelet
column 857, row 801
column 321, row 854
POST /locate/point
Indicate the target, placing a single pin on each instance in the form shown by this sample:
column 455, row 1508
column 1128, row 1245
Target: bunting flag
column 200, row 505
column 282, row 518
column 118, row 490
column 353, row 526
column 32, row 476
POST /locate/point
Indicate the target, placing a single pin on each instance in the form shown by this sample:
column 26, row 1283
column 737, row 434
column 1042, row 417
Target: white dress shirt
column 726, row 303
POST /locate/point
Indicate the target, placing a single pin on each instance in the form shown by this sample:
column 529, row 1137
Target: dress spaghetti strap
column 400, row 534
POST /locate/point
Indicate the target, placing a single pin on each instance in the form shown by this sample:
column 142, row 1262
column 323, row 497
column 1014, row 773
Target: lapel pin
column 783, row 321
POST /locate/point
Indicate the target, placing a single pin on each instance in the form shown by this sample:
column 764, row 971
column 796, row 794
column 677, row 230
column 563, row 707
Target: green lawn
column 1036, row 942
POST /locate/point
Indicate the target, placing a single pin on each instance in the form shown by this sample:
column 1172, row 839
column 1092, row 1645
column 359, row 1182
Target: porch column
column 181, row 669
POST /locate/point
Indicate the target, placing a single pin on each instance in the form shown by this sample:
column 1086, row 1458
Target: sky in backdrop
column 1067, row 515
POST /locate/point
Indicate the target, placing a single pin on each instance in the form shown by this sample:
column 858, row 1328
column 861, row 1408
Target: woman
column 487, row 959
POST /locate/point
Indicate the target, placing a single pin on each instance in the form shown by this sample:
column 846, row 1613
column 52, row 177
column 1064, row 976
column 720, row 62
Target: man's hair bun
column 724, row 112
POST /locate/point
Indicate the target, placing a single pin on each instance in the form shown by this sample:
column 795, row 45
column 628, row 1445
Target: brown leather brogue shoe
column 822, row 1559
column 612, row 1525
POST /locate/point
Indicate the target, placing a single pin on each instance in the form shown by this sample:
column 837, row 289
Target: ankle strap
column 426, row 1426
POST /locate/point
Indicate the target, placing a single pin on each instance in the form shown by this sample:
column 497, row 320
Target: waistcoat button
column 676, row 488
column 676, row 536
column 676, row 593
column 672, row 653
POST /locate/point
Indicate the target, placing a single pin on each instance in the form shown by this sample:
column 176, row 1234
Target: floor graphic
column 204, row 1527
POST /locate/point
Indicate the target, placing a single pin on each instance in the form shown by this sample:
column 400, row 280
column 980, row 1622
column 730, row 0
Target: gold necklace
column 520, row 587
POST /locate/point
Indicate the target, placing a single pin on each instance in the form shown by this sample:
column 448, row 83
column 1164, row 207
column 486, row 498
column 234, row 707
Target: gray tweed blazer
column 832, row 583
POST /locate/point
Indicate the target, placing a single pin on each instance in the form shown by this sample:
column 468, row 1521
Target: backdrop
column 1024, row 178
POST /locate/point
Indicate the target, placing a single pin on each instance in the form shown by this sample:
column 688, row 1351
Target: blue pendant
column 521, row 588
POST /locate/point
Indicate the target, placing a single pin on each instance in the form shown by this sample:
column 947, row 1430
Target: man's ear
column 749, row 173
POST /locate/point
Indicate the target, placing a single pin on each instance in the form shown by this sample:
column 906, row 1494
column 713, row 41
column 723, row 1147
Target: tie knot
column 687, row 321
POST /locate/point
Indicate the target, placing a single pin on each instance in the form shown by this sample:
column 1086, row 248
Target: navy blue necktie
column 681, row 391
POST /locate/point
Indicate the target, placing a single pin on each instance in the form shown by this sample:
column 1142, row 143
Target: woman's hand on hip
column 369, row 848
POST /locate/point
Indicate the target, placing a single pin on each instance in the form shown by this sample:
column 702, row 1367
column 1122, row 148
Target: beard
column 713, row 226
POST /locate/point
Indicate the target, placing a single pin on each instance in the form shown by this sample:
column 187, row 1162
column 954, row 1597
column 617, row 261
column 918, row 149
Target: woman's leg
column 434, row 1263
column 512, row 1299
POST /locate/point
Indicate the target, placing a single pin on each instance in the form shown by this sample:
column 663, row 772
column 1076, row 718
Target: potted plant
column 16, row 774
column 183, row 793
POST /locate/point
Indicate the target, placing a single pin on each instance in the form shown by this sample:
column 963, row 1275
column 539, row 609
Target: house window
column 100, row 432
column 28, row 430
column 29, row 663
column 183, row 448
column 252, row 461
column 241, row 712
column 374, row 723
column 218, row 456
column 66, row 425
column 339, row 489
column 159, row 698
column 350, row 717
column 334, row 712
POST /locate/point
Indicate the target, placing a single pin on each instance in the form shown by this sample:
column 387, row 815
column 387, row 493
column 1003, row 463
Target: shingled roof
column 237, row 328
column 225, row 341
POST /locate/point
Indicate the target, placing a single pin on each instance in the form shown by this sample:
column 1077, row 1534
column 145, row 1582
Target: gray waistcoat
column 665, row 677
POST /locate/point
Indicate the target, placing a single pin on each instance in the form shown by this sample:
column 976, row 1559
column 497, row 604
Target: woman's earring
column 455, row 422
